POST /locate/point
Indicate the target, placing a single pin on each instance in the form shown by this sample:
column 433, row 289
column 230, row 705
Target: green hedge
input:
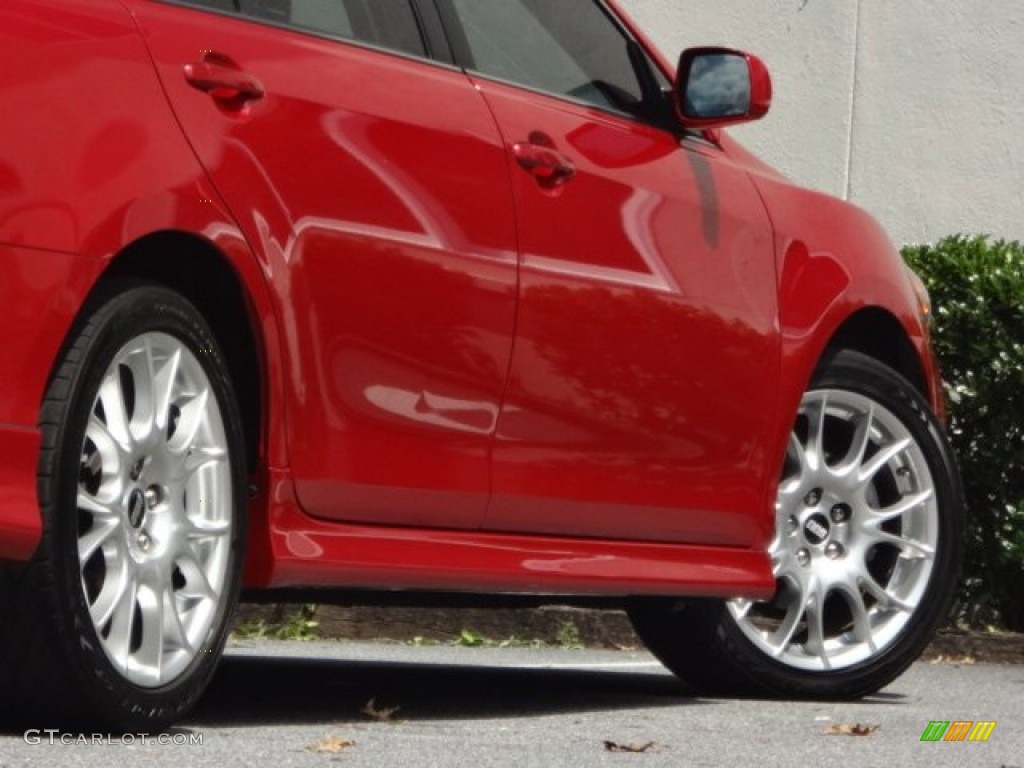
column 977, row 289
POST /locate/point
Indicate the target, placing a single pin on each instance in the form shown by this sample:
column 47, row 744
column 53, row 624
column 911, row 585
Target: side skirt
column 305, row 552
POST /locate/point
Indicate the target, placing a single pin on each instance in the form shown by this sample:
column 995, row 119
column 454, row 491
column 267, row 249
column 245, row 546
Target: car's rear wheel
column 866, row 553
column 121, row 615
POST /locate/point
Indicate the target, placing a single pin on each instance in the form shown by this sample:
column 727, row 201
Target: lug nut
column 803, row 557
column 136, row 471
column 834, row 550
column 840, row 513
column 792, row 524
column 813, row 498
column 144, row 541
column 152, row 496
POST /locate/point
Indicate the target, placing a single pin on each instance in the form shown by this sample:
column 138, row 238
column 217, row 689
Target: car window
column 388, row 23
column 327, row 16
column 217, row 5
column 567, row 47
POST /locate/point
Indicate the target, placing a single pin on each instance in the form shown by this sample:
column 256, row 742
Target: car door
column 369, row 177
column 646, row 360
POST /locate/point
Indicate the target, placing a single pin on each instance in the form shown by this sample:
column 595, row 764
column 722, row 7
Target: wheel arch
column 199, row 271
column 877, row 333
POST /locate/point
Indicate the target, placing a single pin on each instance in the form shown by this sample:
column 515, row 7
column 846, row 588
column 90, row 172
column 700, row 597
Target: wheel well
column 876, row 333
column 194, row 268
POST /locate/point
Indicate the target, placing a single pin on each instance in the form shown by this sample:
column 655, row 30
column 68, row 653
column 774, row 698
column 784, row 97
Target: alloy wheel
column 857, row 527
column 154, row 506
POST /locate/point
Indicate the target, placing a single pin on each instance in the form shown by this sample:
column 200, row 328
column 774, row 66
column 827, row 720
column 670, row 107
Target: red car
column 440, row 297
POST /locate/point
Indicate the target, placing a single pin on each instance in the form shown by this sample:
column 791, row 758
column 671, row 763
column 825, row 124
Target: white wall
column 913, row 109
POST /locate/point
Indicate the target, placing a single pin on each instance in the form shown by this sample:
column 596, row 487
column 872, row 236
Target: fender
column 830, row 266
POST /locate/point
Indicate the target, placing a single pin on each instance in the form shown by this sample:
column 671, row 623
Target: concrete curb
column 558, row 626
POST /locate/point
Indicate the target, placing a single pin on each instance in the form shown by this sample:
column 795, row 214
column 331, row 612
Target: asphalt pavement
column 358, row 704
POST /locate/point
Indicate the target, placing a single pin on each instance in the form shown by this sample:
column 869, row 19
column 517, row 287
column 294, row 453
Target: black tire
column 721, row 651
column 57, row 668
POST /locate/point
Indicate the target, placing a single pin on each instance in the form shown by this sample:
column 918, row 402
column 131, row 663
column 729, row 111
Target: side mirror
column 716, row 87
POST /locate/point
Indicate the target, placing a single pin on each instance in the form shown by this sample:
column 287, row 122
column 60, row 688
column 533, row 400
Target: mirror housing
column 717, row 87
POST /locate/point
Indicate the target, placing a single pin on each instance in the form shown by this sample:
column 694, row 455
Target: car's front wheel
column 866, row 553
column 120, row 617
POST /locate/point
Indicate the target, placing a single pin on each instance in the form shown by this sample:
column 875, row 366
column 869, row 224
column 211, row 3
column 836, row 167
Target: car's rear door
column 646, row 360
column 371, row 180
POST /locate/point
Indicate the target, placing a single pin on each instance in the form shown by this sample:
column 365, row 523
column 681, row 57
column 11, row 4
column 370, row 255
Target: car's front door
column 373, row 184
column 646, row 360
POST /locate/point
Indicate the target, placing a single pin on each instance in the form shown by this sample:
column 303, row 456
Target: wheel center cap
column 816, row 529
column 136, row 508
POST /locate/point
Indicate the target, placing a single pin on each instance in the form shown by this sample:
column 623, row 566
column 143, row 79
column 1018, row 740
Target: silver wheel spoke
column 884, row 598
column 201, row 457
column 743, row 608
column 103, row 527
column 193, row 414
column 859, row 443
column 782, row 638
column 94, row 506
column 121, row 622
column 111, row 397
column 880, row 459
column 108, row 448
column 909, row 548
column 791, row 485
column 205, row 529
column 197, row 586
column 900, row 508
column 816, row 626
column 814, row 453
column 114, row 590
column 163, row 388
column 861, row 620
column 174, row 630
column 151, row 650
column 143, row 371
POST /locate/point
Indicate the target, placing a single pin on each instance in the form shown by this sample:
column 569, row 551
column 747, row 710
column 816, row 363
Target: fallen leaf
column 955, row 660
column 381, row 714
column 850, row 729
column 611, row 746
column 330, row 745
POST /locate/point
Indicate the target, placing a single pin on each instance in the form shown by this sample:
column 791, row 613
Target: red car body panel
column 662, row 251
column 448, row 402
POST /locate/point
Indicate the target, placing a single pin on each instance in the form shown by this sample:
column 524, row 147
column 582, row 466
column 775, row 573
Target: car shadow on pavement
column 250, row 690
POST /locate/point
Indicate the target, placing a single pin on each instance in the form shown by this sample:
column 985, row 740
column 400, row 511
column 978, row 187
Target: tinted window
column 217, row 5
column 327, row 16
column 568, row 47
column 387, row 23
